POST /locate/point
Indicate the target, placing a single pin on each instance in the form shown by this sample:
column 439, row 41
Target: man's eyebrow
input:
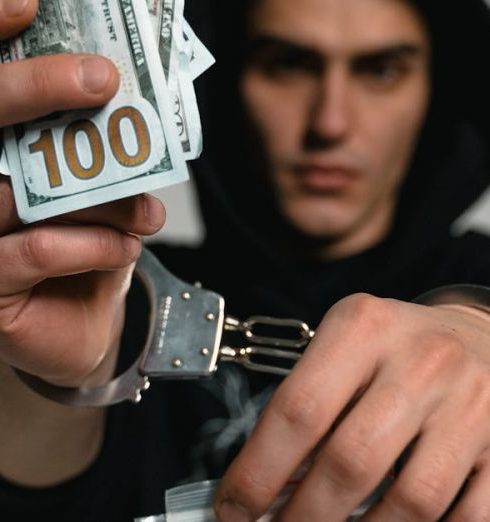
column 269, row 43
column 389, row 51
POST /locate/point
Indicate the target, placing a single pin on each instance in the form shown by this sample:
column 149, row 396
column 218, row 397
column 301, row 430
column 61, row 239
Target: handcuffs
column 186, row 328
column 184, row 341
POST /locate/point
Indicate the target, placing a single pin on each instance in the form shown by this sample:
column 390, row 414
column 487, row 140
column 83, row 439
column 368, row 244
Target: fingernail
column 153, row 212
column 14, row 7
column 94, row 74
column 232, row 512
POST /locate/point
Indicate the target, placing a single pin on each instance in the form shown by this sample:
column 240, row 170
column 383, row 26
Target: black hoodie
column 256, row 261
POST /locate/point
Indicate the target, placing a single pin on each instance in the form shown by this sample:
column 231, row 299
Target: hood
column 448, row 171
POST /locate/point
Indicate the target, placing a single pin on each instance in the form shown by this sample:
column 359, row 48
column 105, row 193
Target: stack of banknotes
column 138, row 142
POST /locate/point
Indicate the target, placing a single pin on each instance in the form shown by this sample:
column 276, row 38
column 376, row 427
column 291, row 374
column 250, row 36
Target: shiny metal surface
column 475, row 296
column 185, row 334
column 180, row 329
column 250, row 356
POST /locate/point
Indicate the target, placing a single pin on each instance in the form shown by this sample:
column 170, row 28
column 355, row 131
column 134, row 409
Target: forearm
column 43, row 443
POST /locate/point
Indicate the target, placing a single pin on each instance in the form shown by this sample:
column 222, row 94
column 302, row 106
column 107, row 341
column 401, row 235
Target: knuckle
column 360, row 303
column 300, row 411
column 41, row 79
column 250, row 491
column 436, row 352
column 420, row 498
column 392, row 399
column 480, row 395
column 108, row 245
column 36, row 248
column 368, row 311
column 350, row 461
column 483, row 392
column 446, row 347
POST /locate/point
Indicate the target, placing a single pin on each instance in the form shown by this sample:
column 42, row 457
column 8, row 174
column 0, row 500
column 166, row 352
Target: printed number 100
column 46, row 146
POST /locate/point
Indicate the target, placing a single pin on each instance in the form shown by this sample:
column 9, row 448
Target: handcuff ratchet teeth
column 184, row 341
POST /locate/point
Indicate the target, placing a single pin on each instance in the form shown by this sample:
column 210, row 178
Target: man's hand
column 405, row 373
column 63, row 282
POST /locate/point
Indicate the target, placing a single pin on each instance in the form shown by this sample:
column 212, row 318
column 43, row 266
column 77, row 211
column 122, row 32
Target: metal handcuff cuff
column 185, row 336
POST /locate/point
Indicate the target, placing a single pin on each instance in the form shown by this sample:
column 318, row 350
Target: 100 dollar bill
column 83, row 158
column 179, row 83
column 4, row 168
column 198, row 55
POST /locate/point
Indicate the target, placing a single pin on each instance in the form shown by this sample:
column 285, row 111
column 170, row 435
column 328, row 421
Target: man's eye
column 284, row 64
column 383, row 73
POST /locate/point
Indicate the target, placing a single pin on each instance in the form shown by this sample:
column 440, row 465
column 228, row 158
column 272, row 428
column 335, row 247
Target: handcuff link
column 186, row 337
column 184, row 341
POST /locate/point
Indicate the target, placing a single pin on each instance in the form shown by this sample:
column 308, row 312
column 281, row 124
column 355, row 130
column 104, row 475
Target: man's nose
column 331, row 113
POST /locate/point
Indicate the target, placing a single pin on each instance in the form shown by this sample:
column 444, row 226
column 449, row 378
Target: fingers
column 420, row 381
column 79, row 320
column 16, row 15
column 299, row 414
column 429, row 483
column 364, row 447
column 445, row 453
column 31, row 88
column 9, row 219
column 34, row 254
column 475, row 504
column 142, row 215
column 359, row 454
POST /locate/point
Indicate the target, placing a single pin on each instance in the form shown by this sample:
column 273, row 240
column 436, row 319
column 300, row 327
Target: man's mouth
column 315, row 177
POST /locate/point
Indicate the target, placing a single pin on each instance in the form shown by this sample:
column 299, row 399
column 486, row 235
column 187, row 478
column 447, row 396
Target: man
column 358, row 176
column 338, row 105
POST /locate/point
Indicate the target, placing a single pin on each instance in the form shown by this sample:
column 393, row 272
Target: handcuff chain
column 270, row 347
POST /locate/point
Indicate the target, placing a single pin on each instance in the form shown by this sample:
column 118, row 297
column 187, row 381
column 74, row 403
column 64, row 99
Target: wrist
column 43, row 443
column 473, row 297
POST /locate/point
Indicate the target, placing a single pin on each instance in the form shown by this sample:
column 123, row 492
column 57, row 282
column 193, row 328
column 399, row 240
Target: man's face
column 338, row 91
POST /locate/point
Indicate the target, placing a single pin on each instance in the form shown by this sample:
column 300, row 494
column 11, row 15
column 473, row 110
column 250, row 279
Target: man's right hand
column 63, row 282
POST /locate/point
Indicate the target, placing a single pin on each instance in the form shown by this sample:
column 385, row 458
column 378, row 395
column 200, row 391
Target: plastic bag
column 194, row 502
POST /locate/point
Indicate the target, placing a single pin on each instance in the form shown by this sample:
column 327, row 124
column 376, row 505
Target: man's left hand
column 378, row 376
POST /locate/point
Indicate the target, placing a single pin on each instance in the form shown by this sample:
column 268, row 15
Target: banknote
column 185, row 108
column 200, row 59
column 197, row 60
column 188, row 95
column 83, row 158
column 155, row 9
column 4, row 168
column 194, row 60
